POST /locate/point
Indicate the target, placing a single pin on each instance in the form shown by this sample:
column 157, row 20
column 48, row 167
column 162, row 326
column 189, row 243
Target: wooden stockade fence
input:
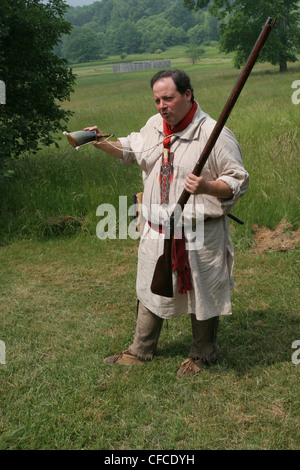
column 141, row 65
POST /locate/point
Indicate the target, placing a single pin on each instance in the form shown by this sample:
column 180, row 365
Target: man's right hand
column 115, row 149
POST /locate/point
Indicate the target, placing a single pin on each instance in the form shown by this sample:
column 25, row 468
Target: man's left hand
column 198, row 185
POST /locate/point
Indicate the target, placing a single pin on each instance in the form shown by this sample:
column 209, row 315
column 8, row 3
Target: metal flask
column 79, row 138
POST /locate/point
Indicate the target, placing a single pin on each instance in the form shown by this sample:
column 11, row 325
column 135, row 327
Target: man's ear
column 188, row 93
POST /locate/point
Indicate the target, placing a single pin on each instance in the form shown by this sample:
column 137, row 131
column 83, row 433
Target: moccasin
column 123, row 359
column 190, row 367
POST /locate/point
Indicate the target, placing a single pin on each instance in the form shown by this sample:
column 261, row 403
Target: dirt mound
column 280, row 239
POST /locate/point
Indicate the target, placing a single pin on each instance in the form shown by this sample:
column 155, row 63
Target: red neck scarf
column 179, row 127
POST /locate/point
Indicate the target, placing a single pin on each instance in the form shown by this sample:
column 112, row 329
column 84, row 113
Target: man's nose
column 162, row 104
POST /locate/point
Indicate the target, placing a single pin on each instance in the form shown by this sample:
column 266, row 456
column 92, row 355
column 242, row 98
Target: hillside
column 133, row 26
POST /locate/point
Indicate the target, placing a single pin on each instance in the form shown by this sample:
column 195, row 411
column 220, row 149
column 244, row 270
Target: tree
column 241, row 20
column 194, row 52
column 131, row 37
column 82, row 45
column 37, row 81
column 196, row 34
column 126, row 38
column 151, row 33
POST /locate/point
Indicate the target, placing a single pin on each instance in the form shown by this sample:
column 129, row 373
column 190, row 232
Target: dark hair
column 180, row 78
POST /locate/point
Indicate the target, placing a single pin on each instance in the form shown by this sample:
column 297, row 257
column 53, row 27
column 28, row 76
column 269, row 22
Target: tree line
column 111, row 27
column 119, row 27
column 240, row 20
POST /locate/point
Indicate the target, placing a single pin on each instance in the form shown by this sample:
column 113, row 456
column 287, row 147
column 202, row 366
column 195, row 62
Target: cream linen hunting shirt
column 212, row 261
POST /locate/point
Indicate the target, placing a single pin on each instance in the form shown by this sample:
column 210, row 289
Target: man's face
column 171, row 105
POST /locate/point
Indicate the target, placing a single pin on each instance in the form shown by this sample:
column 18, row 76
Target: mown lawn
column 68, row 303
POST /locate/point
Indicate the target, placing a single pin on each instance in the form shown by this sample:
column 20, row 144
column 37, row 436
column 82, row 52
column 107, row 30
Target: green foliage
column 194, row 53
column 36, row 79
column 241, row 21
column 83, row 44
column 126, row 38
column 196, row 4
column 137, row 26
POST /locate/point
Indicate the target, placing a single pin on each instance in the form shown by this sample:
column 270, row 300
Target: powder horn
column 79, row 138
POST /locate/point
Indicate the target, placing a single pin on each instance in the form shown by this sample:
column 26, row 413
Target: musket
column 162, row 278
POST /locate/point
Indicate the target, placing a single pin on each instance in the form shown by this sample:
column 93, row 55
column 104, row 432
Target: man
column 167, row 149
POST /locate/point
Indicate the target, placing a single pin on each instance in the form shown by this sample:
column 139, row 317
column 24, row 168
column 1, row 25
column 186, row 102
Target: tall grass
column 64, row 182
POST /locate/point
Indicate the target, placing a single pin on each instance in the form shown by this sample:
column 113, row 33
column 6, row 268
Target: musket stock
column 162, row 278
column 162, row 282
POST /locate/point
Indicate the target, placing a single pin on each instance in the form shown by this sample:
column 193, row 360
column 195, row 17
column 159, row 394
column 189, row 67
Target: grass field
column 66, row 304
column 67, row 299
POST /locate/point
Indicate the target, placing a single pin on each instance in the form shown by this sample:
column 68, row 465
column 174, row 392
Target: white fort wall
column 141, row 65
